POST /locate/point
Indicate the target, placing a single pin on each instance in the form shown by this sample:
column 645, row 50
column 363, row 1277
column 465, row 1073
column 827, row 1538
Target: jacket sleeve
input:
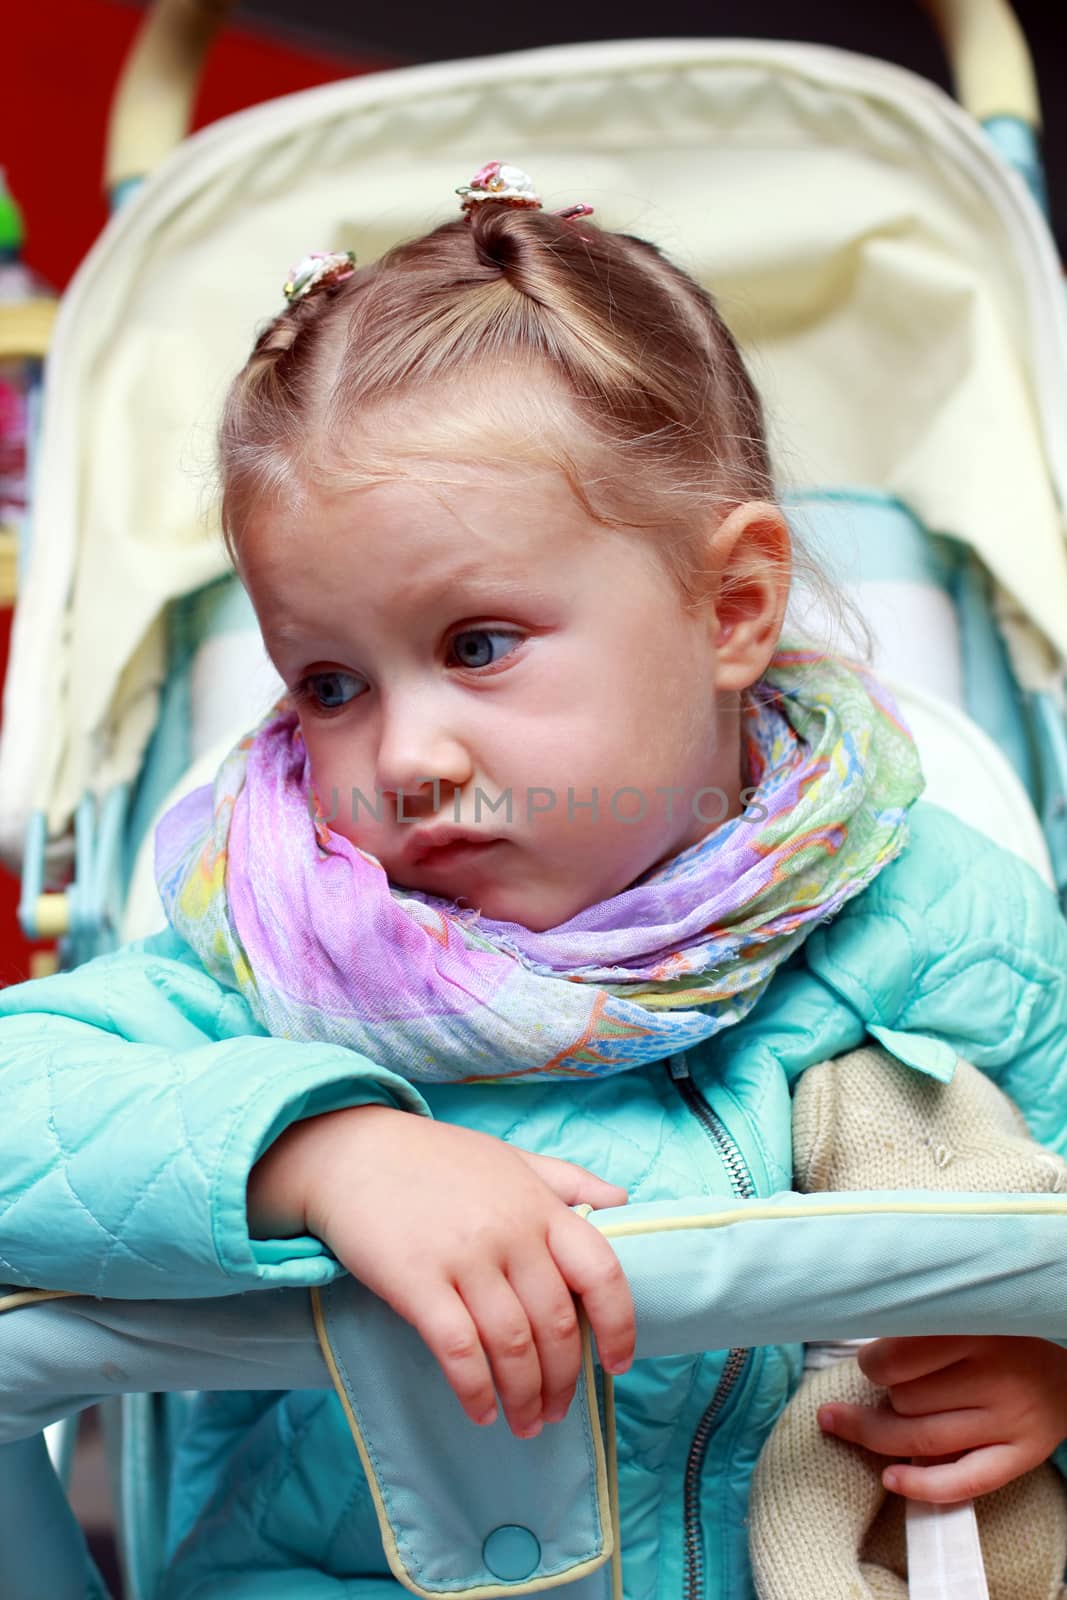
column 959, row 940
column 138, row 1094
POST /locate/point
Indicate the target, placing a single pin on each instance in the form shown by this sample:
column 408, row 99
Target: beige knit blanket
column 821, row 1525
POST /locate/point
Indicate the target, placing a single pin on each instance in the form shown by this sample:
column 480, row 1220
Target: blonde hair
column 658, row 392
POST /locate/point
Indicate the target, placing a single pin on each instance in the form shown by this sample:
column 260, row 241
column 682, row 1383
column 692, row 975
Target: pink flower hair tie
column 510, row 186
column 320, row 270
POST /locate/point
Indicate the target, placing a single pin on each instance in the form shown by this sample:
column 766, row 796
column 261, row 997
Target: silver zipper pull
column 678, row 1067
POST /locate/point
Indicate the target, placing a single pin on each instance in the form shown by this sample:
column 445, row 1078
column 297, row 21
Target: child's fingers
column 887, row 1434
column 591, row 1268
column 554, row 1320
column 979, row 1472
column 447, row 1327
column 889, row 1361
column 954, row 1389
column 508, row 1341
column 572, row 1184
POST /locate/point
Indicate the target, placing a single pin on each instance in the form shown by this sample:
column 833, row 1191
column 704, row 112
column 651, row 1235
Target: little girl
column 551, row 873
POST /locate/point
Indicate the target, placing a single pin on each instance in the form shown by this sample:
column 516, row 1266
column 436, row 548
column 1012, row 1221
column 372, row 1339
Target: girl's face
column 482, row 658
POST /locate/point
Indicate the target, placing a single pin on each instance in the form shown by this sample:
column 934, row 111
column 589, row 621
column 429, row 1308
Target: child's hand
column 468, row 1238
column 998, row 1403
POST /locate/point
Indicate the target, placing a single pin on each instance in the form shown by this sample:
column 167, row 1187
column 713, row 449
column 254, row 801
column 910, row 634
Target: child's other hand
column 999, row 1404
column 468, row 1238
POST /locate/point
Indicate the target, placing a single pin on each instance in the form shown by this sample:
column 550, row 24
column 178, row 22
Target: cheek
column 337, row 769
column 526, row 753
column 612, row 717
column 674, row 711
column 322, row 756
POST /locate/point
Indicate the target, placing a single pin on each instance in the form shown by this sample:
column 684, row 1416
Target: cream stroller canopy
column 892, row 283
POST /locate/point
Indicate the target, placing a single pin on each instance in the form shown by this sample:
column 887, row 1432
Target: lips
column 430, row 845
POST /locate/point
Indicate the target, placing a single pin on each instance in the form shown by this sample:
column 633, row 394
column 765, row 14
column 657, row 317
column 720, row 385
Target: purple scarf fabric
column 323, row 947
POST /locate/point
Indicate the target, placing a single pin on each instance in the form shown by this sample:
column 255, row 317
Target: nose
column 418, row 747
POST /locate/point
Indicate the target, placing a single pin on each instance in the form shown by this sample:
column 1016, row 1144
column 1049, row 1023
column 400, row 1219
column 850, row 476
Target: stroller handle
column 151, row 111
column 153, row 103
column 992, row 69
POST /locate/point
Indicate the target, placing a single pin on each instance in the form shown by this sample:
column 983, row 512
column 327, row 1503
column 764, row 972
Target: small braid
column 274, row 391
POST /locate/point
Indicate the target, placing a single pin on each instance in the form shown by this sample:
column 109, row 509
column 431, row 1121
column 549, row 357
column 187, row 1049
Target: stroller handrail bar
column 25, row 334
column 42, row 914
column 153, row 103
column 991, row 66
column 26, row 329
column 85, row 912
column 9, row 565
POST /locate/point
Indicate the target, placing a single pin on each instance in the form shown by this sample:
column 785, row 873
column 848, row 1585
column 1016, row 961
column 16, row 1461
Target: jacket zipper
column 736, row 1360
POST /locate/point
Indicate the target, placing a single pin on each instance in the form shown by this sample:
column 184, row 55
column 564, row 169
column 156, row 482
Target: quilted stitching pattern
column 977, row 956
column 125, row 1162
column 137, row 1095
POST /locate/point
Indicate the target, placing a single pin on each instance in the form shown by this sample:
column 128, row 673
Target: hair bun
column 493, row 201
column 501, row 239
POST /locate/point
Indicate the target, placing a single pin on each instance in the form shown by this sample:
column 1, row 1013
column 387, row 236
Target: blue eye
column 472, row 647
column 331, row 690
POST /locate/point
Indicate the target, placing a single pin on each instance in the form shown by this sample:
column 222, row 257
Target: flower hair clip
column 501, row 182
column 320, row 270
column 510, row 186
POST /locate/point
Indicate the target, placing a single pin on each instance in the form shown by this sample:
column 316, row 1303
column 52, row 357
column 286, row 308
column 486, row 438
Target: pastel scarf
column 324, row 947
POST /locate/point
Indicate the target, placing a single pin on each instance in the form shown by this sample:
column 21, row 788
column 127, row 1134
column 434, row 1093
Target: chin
column 526, row 905
column 509, row 905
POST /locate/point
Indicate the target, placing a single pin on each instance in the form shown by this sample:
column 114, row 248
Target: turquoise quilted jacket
column 138, row 1095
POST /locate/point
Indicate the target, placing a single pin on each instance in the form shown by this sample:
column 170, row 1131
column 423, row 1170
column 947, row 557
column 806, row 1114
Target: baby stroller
column 880, row 253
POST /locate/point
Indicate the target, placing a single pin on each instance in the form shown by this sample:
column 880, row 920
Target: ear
column 752, row 563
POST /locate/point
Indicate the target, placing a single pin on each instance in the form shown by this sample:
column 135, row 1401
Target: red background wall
column 61, row 62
